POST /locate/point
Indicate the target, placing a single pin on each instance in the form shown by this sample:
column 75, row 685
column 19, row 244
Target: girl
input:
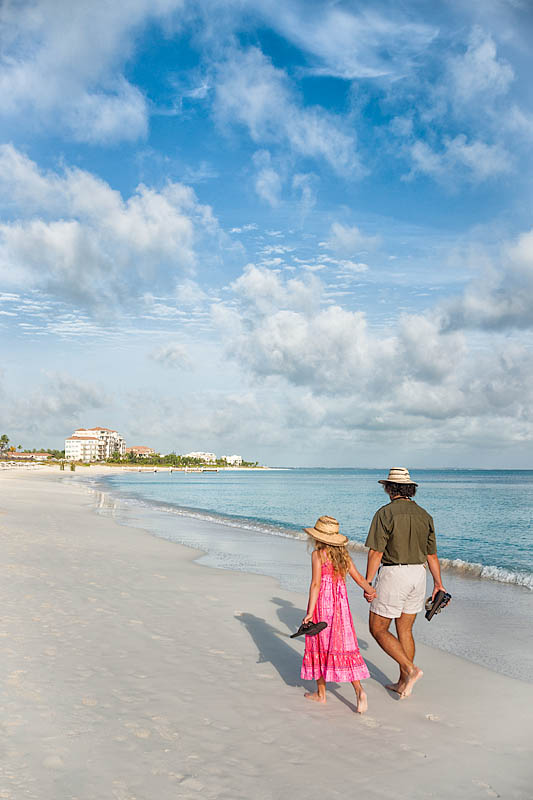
column 333, row 654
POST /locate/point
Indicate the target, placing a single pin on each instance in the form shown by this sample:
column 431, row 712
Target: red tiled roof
column 102, row 429
column 139, row 447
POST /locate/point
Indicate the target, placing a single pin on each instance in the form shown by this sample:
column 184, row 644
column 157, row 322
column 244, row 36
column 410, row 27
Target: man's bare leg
column 320, row 695
column 409, row 673
column 404, row 631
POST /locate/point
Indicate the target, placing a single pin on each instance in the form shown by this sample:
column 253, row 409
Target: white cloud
column 244, row 228
column 74, row 236
column 268, row 182
column 172, row 355
column 304, row 183
column 348, row 240
column 59, row 403
column 251, row 91
column 265, row 291
column 478, row 73
column 417, row 377
column 460, row 159
column 499, row 298
column 347, row 44
column 62, row 65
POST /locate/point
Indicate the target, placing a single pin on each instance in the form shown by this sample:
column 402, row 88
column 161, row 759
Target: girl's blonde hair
column 339, row 557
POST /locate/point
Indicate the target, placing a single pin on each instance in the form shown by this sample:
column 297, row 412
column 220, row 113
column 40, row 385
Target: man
column 401, row 540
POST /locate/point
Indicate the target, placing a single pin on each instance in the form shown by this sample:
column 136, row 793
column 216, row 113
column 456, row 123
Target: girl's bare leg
column 320, row 695
column 362, row 702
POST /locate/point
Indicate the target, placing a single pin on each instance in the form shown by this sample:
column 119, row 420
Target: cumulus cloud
column 62, row 65
column 500, row 298
column 418, row 375
column 251, row 91
column 74, row 236
column 348, row 241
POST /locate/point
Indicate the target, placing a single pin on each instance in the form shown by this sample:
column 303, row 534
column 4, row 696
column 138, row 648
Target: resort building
column 141, row 451
column 233, row 461
column 82, row 448
column 94, row 444
column 207, row 458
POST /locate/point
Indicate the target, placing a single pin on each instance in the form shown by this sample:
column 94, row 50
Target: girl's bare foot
column 362, row 702
column 407, row 686
column 314, row 696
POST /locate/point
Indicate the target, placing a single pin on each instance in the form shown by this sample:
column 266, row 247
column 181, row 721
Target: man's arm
column 372, row 564
column 434, row 568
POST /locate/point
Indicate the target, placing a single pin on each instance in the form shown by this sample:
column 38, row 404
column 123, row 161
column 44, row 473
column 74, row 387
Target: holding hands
column 369, row 596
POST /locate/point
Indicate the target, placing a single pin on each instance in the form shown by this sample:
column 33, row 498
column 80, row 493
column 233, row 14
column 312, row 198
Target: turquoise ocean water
column 483, row 519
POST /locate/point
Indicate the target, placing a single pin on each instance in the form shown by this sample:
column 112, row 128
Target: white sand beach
column 130, row 672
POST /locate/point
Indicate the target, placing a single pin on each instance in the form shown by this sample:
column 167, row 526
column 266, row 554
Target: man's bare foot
column 407, row 686
column 362, row 702
column 314, row 696
column 394, row 687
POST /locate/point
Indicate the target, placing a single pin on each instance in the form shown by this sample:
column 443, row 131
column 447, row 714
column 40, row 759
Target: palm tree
column 4, row 441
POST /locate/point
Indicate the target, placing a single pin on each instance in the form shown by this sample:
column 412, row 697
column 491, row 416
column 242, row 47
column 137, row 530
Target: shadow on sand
column 273, row 647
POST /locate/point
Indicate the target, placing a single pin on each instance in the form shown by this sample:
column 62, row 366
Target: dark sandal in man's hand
column 436, row 605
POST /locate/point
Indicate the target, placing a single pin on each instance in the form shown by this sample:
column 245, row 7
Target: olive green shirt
column 404, row 532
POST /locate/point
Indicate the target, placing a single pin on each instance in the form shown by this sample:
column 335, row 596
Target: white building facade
column 233, row 461
column 94, row 444
column 82, row 448
column 208, row 458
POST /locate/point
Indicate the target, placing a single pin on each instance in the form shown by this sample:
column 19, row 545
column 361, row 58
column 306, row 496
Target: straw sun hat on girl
column 399, row 475
column 326, row 530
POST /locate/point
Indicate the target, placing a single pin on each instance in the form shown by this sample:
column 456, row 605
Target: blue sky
column 300, row 231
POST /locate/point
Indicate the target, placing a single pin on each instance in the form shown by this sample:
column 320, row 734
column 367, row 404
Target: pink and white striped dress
column 334, row 653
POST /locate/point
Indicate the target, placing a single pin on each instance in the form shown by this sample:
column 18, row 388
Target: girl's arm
column 314, row 589
column 360, row 581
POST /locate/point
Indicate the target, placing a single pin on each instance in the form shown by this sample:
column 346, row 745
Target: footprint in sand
column 407, row 749
column 488, row 788
column 369, row 722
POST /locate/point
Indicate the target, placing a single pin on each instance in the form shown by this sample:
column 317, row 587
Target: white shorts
column 401, row 589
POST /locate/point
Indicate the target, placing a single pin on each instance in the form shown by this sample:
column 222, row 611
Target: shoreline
column 491, row 572
column 118, row 645
column 507, row 643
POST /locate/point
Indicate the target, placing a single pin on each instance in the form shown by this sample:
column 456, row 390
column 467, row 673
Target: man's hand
column 369, row 596
column 437, row 588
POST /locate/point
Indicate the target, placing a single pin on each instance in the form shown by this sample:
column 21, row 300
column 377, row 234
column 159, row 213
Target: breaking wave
column 488, row 572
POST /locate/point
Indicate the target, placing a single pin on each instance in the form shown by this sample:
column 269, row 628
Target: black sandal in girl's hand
column 309, row 629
